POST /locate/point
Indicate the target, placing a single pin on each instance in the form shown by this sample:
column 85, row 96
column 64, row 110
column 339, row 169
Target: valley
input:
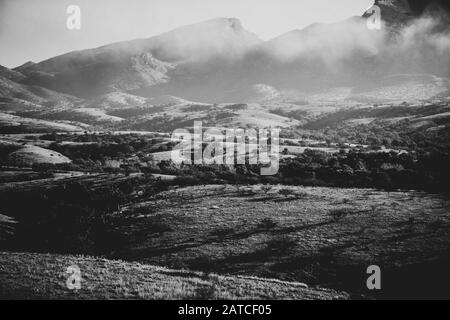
column 358, row 184
column 89, row 177
column 122, row 186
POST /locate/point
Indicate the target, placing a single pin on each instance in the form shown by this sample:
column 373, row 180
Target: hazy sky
column 36, row 29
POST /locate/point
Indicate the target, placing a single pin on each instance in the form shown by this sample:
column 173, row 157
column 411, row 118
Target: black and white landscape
column 93, row 205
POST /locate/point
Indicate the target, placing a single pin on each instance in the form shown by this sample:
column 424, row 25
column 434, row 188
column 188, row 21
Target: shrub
column 222, row 232
column 248, row 191
column 281, row 244
column 206, row 292
column 186, row 180
column 301, row 194
column 436, row 225
column 285, row 192
column 266, row 188
column 267, row 224
column 338, row 214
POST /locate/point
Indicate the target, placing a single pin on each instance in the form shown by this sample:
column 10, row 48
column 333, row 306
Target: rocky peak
column 397, row 13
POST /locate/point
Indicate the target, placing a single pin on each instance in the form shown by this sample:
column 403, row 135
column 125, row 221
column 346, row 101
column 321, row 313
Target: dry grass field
column 320, row 236
column 324, row 237
column 43, row 276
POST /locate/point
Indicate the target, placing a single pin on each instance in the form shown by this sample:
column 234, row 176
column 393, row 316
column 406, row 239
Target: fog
column 423, row 45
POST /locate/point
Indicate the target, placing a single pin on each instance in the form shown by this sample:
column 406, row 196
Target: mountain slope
column 10, row 74
column 140, row 63
column 16, row 124
column 218, row 61
column 116, row 100
column 34, row 94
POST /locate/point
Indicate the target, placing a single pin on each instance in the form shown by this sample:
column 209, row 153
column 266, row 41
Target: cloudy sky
column 34, row 30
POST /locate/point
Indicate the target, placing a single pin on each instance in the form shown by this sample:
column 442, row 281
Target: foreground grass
column 320, row 236
column 325, row 237
column 43, row 276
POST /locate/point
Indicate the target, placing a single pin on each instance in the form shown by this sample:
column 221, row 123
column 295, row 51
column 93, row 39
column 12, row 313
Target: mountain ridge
column 210, row 60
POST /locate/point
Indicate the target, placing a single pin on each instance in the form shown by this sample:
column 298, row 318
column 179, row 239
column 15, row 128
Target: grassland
column 320, row 236
column 44, row 276
column 324, row 237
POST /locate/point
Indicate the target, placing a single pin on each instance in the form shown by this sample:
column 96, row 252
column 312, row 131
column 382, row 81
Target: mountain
column 147, row 62
column 116, row 100
column 320, row 55
column 398, row 13
column 10, row 74
column 420, row 7
column 24, row 66
column 218, row 61
column 213, row 61
column 17, row 93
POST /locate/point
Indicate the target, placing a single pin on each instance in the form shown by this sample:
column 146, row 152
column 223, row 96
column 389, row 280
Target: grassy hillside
column 321, row 236
column 43, row 276
column 325, row 237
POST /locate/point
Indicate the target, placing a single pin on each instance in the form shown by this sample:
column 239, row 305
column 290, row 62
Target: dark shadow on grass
column 288, row 199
